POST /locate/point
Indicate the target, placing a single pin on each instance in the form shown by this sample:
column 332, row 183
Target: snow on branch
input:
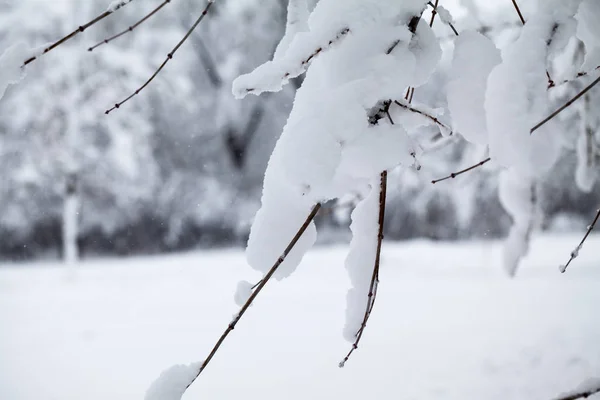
column 362, row 249
column 169, row 58
column 271, row 76
column 164, row 383
column 117, row 5
column 132, row 27
column 575, row 252
column 585, row 390
column 427, row 114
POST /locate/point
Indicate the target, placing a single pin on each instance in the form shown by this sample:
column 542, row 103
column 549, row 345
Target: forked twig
column 259, row 287
column 169, row 58
column 455, row 174
column 575, row 253
column 132, row 27
column 375, row 277
column 80, row 29
column 433, row 14
column 566, row 105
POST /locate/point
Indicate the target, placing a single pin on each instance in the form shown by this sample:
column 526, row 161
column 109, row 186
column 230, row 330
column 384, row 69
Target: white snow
column 474, row 58
column 171, row 383
column 447, row 325
column 243, row 292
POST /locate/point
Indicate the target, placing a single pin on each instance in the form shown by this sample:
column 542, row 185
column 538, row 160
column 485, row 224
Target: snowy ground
column 447, row 325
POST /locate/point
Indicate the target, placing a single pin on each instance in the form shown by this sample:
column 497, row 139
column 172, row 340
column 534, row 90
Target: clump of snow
column 243, row 292
column 11, row 62
column 474, row 58
column 445, row 15
column 172, row 383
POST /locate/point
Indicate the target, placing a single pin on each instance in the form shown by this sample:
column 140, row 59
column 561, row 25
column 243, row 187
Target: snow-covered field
column 447, row 325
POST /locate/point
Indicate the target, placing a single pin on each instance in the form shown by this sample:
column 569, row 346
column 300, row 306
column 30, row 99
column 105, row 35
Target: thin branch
column 257, row 290
column 455, row 174
column 433, row 12
column 581, row 393
column 518, row 11
column 566, row 105
column 425, row 114
column 576, row 77
column 375, row 276
column 169, row 58
column 77, row 31
column 132, row 27
column 575, row 253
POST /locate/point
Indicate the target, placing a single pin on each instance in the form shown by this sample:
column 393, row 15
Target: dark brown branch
column 257, row 290
column 433, row 12
column 77, row 31
column 132, row 27
column 566, row 105
column 169, row 58
column 518, row 11
column 375, row 276
column 455, row 174
column 575, row 253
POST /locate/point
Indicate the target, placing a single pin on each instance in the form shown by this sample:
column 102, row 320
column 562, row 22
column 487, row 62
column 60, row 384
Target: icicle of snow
column 297, row 21
column 11, row 61
column 518, row 197
column 360, row 260
column 588, row 31
column 474, row 58
column 172, row 383
column 516, row 99
column 243, row 292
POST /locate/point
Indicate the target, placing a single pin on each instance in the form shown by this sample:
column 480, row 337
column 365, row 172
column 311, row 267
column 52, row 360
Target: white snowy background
column 182, row 165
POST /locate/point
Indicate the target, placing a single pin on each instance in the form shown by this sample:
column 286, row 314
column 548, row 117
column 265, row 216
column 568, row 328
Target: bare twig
column 455, row 174
column 566, row 105
column 518, row 11
column 80, row 29
column 575, row 253
column 257, row 290
column 375, row 276
column 132, row 27
column 169, row 58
